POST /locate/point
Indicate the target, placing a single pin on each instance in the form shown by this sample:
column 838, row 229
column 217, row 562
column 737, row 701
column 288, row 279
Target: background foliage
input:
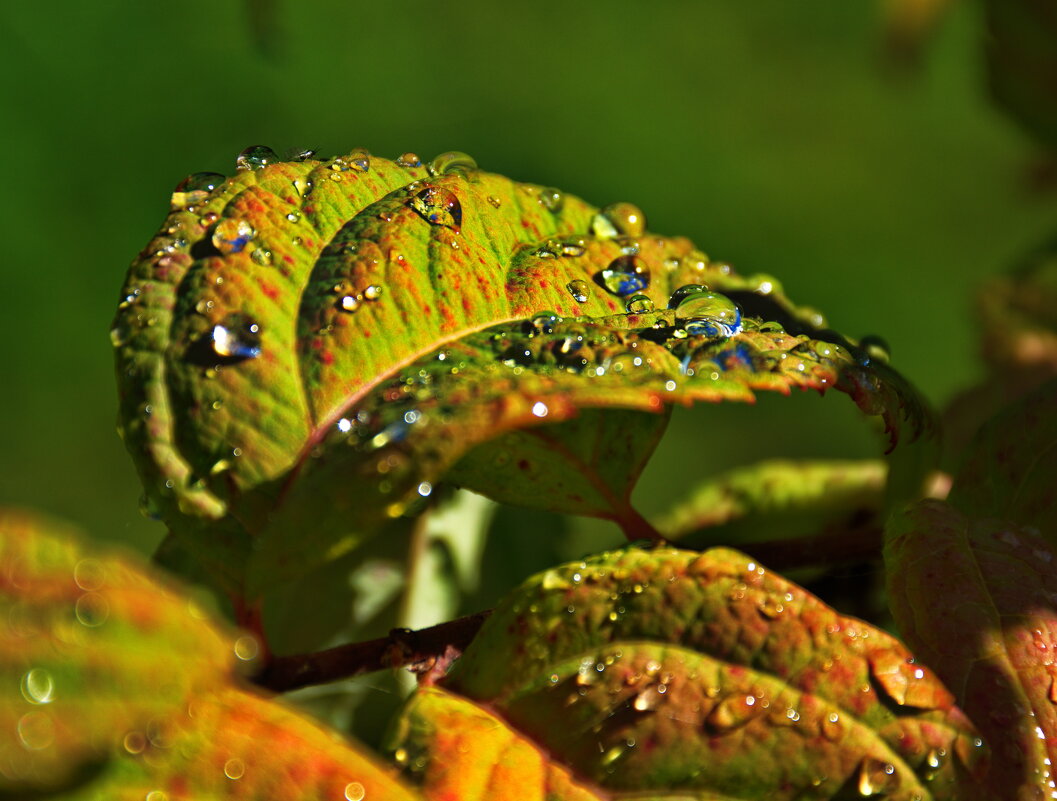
column 782, row 143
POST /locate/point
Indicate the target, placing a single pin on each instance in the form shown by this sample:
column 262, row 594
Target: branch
column 421, row 651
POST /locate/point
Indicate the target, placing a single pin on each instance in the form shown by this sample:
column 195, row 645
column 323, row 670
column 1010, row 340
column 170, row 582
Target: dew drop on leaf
column 733, row 712
column 708, row 313
column 874, row 349
column 618, row 219
column 89, row 574
column 354, row 791
column 876, row 778
column 451, row 162
column 359, row 159
column 348, row 303
column 255, row 157
column 92, row 610
column 543, row 322
column 438, row 206
column 262, row 256
column 409, row 160
column 236, row 339
column 551, row 199
column 232, row 236
column 373, row 292
column 579, row 289
column 639, row 304
column 234, row 768
column 195, row 188
column 246, row 648
column 625, row 276
column 36, row 730
column 902, row 680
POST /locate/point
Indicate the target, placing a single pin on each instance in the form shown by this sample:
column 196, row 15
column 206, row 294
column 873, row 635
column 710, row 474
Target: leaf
column 1010, row 467
column 660, row 670
column 117, row 687
column 976, row 597
column 1022, row 63
column 792, row 498
column 456, row 749
column 300, row 306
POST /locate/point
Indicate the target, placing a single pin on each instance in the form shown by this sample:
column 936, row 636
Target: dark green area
column 776, row 140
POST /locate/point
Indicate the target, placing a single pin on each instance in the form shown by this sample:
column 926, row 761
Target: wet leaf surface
column 975, row 596
column 648, row 670
column 117, row 686
column 308, row 327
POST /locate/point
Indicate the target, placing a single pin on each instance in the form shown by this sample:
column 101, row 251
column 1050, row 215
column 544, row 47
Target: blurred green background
column 770, row 132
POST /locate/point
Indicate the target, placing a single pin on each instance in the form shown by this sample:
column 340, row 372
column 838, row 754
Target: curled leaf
column 653, row 670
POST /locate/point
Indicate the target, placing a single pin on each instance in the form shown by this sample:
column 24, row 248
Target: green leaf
column 297, row 308
column 456, row 749
column 116, row 686
column 975, row 597
column 1010, row 467
column 777, row 498
column 652, row 671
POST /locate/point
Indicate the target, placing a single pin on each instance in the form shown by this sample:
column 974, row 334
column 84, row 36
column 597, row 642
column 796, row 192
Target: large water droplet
column 359, row 159
column 255, row 157
column 579, row 289
column 409, row 161
column 195, row 188
column 236, row 339
column 543, row 322
column 552, row 199
column 733, row 712
column 707, row 313
column 232, row 235
column 451, row 162
column 438, row 206
column 38, row 687
column 876, row 777
column 639, row 304
column 902, row 680
column 874, row 349
column 618, row 219
column 625, row 276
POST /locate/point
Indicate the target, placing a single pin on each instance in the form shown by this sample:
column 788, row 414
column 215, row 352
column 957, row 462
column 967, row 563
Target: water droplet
column 874, row 349
column 832, row 728
column 934, row 758
column 294, row 216
column 195, row 189
column 551, row 199
column 409, row 160
column 236, row 339
column 348, row 303
column 625, row 276
column 246, row 648
column 135, row 742
column 579, row 289
column 543, row 322
column 618, row 219
column 262, row 256
column 92, row 609
column 438, row 206
column 539, row 409
column 639, row 304
column 255, row 157
column 733, row 712
column 354, row 791
column 902, row 680
column 36, row 730
column 303, row 186
column 38, row 687
column 451, row 162
column 876, row 777
column 709, row 313
column 156, row 795
column 89, row 574
column 359, row 159
column 232, row 235
column 647, row 699
column 496, row 202
column 373, row 292
column 234, row 768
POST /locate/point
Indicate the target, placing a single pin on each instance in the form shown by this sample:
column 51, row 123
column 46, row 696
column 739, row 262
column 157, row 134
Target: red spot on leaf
column 327, row 357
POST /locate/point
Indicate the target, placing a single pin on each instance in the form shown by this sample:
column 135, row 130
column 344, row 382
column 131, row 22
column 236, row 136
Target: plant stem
column 402, row 647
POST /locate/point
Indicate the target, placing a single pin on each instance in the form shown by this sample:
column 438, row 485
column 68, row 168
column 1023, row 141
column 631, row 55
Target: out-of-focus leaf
column 1022, row 63
column 96, row 647
column 458, row 750
column 909, row 23
column 236, row 745
column 1009, row 469
column 309, row 346
column 977, row 599
column 777, row 499
column 115, row 686
column 655, row 670
column 1017, row 314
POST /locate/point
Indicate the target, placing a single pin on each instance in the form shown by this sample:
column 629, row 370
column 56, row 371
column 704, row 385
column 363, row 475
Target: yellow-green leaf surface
column 299, row 307
column 652, row 671
column 976, row 598
column 777, row 497
column 458, row 750
column 116, row 686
